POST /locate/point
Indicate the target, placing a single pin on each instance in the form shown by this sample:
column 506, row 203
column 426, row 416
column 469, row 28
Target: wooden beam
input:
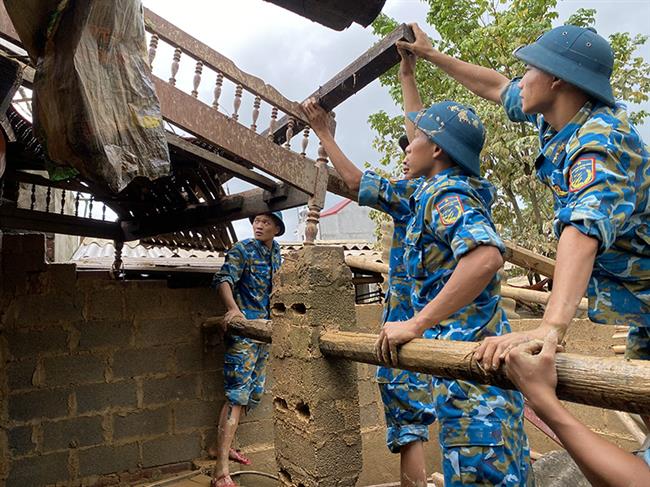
column 366, row 264
column 528, row 259
column 336, row 185
column 611, row 383
column 220, row 63
column 354, row 77
column 178, row 145
column 217, row 129
column 236, row 207
column 41, row 221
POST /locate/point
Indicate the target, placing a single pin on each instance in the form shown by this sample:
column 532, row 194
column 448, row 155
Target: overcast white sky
column 296, row 55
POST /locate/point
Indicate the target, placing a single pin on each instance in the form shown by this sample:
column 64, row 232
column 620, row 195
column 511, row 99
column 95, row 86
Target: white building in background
column 345, row 221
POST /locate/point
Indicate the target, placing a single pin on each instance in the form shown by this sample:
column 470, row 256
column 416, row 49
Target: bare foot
column 234, row 455
column 222, row 481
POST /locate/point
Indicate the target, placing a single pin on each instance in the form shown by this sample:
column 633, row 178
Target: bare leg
column 413, row 472
column 228, row 422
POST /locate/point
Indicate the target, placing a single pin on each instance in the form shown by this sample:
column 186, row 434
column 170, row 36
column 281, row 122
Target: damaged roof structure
column 188, row 208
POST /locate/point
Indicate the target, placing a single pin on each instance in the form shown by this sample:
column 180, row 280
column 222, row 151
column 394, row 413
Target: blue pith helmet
column 576, row 55
column 456, row 129
column 277, row 216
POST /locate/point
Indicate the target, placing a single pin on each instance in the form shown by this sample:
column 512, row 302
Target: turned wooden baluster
column 274, row 121
column 33, row 197
column 90, row 206
column 62, row 201
column 217, row 91
column 175, row 64
column 153, row 47
column 48, row 197
column 76, row 205
column 197, row 78
column 289, row 134
column 305, row 141
column 256, row 113
column 317, row 201
column 237, row 103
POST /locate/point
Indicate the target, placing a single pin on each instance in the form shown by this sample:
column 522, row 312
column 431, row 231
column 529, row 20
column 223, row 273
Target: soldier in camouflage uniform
column 598, row 168
column 452, row 255
column 244, row 284
column 407, row 396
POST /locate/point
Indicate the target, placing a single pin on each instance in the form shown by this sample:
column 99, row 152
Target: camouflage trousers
column 482, row 435
column 244, row 370
column 408, row 407
column 638, row 343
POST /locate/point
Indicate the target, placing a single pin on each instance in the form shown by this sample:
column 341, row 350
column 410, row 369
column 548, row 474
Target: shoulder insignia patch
column 450, row 210
column 582, row 173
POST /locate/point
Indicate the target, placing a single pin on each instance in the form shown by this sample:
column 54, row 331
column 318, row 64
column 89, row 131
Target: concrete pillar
column 316, row 401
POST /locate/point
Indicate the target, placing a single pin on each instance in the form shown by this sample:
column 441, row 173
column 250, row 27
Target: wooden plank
column 40, row 221
column 236, row 207
column 216, row 128
column 185, row 148
column 528, row 259
column 220, row 63
column 354, row 77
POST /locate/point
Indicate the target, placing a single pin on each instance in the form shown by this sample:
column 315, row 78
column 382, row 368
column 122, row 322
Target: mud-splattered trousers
column 598, row 168
column 481, row 427
column 407, row 396
column 249, row 269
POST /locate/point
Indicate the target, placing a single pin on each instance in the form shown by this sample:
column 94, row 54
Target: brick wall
column 101, row 376
column 106, row 382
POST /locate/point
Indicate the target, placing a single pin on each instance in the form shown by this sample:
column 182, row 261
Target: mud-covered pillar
column 316, row 401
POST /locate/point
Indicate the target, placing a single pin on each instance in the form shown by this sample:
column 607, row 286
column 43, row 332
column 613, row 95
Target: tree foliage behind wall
column 486, row 32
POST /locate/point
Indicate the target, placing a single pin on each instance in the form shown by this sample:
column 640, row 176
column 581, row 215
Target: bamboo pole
column 611, row 383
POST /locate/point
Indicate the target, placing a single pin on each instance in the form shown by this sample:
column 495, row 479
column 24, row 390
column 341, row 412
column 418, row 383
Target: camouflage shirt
column 249, row 269
column 453, row 217
column 598, row 169
column 392, row 197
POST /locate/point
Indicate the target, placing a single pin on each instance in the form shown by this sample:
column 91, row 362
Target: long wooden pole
column 611, row 383
column 528, row 295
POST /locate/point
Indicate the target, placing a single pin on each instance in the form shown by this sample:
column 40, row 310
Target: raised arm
column 320, row 122
column 410, row 93
column 484, row 82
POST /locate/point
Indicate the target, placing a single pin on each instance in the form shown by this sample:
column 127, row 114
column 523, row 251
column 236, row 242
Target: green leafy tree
column 486, row 32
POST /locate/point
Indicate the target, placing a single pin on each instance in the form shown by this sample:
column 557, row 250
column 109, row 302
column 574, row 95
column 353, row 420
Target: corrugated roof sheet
column 94, row 253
